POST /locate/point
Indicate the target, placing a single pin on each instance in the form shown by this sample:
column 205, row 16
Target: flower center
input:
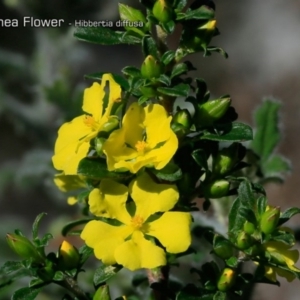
column 90, row 122
column 137, row 222
column 140, row 146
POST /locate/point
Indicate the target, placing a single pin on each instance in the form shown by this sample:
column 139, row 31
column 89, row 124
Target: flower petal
column 68, row 182
column 172, row 229
column 110, row 201
column 139, row 253
column 151, row 197
column 104, row 239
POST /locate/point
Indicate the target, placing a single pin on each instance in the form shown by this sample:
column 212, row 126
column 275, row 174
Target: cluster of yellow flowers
column 144, row 139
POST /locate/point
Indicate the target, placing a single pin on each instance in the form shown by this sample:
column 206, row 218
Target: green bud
column 224, row 249
column 183, row 117
column 226, row 280
column 111, row 124
column 217, row 189
column 102, row 293
column 99, row 142
column 151, row 68
column 47, row 272
column 249, row 227
column 244, row 240
column 226, row 159
column 68, row 256
column 269, row 219
column 24, row 248
column 162, row 11
column 211, row 111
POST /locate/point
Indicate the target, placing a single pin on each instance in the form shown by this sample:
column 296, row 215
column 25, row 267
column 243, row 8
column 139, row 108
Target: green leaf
column 11, row 266
column 171, row 172
column 246, row 195
column 201, row 13
column 105, row 36
column 209, row 50
column 96, row 168
column 286, row 237
column 248, row 214
column 267, row 134
column 164, row 79
column 179, row 69
column 45, row 239
column 220, row 296
column 85, row 252
column 261, row 204
column 102, row 293
column 149, row 47
column 168, row 27
column 118, row 79
column 36, row 224
column 27, row 293
column 236, row 220
column 234, row 132
column 200, row 158
column 179, row 4
column 275, row 166
column 180, row 90
column 131, row 71
column 168, row 56
column 232, row 262
column 103, row 273
column 290, row 212
column 73, row 224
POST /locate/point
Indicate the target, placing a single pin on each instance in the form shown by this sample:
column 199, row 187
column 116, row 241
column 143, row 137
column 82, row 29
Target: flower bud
column 226, row 159
column 184, row 118
column 111, row 124
column 249, row 227
column 68, row 256
column 151, row 68
column 99, row 142
column 244, row 240
column 217, row 189
column 24, row 248
column 102, row 293
column 223, row 248
column 162, row 11
column 226, row 280
column 211, row 111
column 269, row 219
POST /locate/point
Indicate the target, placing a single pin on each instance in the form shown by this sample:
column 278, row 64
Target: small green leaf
column 179, row 69
column 201, row 13
column 168, row 27
column 164, row 79
column 73, row 224
column 103, row 273
column 168, row 56
column 45, row 240
column 246, row 195
column 235, row 132
column 209, row 50
column 179, row 4
column 27, row 293
column 200, row 158
column 248, row 214
column 232, row 262
column 267, row 134
column 36, row 224
column 290, row 212
column 96, row 168
column 118, row 79
column 149, row 47
column 11, row 266
column 180, row 90
column 236, row 220
column 85, row 252
column 131, row 71
column 261, row 204
column 220, row 296
column 171, row 172
column 286, row 237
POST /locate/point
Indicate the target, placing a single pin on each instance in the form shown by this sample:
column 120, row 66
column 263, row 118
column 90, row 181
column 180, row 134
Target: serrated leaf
column 236, row 132
column 27, row 293
column 171, row 172
column 180, row 90
column 286, row 215
column 73, row 224
column 118, row 79
column 96, row 168
column 35, row 225
column 267, row 134
column 103, row 273
column 275, row 166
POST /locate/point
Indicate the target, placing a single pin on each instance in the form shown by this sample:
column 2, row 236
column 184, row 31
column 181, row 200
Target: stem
column 72, row 286
column 160, row 277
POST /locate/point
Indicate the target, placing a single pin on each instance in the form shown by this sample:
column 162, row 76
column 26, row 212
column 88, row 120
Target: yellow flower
column 282, row 255
column 74, row 137
column 130, row 244
column 145, row 139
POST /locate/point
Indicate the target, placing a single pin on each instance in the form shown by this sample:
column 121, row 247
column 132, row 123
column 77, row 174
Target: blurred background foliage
column 41, row 86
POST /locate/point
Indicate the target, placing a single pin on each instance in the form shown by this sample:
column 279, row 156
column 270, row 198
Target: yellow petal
column 151, row 197
column 172, row 229
column 270, row 273
column 286, row 274
column 93, row 100
column 68, row 182
column 110, row 201
column 114, row 92
column 104, row 239
column 72, row 200
column 139, row 253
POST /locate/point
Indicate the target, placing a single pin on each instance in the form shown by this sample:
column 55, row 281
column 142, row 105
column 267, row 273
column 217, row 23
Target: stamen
column 137, row 222
column 140, row 146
